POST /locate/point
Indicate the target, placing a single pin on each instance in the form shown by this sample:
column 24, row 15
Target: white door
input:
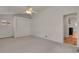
column 21, row 26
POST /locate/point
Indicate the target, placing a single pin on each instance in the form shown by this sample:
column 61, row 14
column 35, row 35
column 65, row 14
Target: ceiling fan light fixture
column 29, row 11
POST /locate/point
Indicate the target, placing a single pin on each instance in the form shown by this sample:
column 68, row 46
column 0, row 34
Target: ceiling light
column 29, row 11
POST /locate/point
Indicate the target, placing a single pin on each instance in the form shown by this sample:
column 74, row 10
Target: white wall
column 6, row 30
column 50, row 22
column 21, row 26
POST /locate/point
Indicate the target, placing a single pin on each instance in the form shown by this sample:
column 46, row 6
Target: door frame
column 74, row 13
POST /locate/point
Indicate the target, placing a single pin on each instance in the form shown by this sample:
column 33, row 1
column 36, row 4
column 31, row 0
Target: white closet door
column 21, row 27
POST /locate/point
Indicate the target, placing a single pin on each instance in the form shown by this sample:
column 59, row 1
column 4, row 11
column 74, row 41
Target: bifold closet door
column 21, row 27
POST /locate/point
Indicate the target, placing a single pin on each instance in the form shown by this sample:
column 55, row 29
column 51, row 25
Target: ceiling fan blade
column 34, row 12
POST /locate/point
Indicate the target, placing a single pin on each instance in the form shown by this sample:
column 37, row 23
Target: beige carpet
column 33, row 45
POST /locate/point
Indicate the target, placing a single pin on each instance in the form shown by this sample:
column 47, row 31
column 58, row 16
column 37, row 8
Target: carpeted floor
column 33, row 45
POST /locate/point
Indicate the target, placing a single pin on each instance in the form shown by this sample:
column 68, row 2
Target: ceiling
column 19, row 9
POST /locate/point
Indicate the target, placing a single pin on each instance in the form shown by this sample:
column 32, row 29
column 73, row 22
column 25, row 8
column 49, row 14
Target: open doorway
column 70, row 29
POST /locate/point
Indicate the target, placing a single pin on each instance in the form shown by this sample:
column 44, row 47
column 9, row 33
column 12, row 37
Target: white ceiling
column 18, row 9
column 22, row 9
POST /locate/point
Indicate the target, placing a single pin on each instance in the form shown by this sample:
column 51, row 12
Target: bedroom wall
column 49, row 24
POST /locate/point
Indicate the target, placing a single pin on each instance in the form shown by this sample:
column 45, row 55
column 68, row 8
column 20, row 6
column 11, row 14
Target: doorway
column 70, row 29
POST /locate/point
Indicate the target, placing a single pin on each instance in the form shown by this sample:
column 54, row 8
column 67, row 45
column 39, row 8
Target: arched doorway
column 70, row 29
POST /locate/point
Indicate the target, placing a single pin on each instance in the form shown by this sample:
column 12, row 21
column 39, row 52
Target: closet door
column 21, row 27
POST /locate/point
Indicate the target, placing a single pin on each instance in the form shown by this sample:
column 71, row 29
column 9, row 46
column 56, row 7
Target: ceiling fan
column 30, row 10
